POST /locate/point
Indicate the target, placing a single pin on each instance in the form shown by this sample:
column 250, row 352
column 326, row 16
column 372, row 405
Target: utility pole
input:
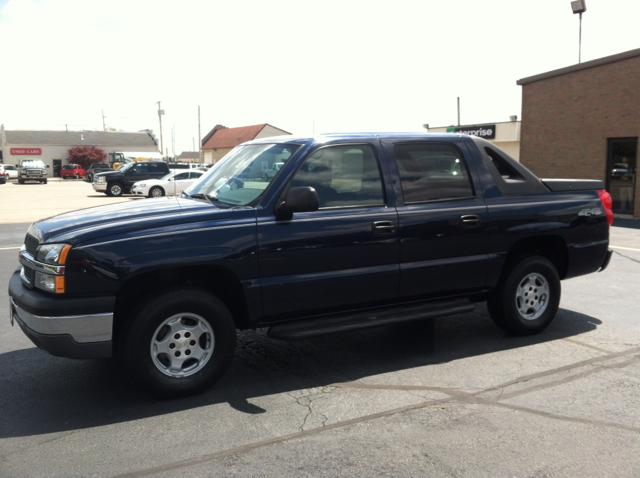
column 458, row 111
column 104, row 127
column 199, row 139
column 160, row 113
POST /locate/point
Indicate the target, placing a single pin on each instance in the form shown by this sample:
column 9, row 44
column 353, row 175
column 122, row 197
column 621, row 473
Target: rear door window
column 432, row 172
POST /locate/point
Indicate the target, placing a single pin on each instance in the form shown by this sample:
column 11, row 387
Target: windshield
column 32, row 163
column 126, row 167
column 238, row 179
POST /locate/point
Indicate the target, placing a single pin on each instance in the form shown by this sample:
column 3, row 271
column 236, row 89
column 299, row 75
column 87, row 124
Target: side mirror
column 47, row 165
column 300, row 199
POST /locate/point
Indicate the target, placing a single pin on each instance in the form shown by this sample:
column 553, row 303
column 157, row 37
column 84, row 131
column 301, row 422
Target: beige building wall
column 269, row 131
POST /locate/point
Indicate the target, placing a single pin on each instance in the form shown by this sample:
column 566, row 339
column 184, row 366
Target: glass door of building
column 622, row 157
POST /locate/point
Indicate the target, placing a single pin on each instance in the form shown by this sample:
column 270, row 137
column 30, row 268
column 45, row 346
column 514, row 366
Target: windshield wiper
column 204, row 196
column 210, row 200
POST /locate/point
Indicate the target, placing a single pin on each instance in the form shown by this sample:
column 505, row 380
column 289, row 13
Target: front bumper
column 66, row 327
column 100, row 187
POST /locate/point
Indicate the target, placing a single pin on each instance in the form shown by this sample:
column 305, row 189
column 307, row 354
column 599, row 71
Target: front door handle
column 470, row 220
column 384, row 227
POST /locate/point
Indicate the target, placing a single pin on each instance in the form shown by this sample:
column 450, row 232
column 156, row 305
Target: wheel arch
column 551, row 247
column 217, row 280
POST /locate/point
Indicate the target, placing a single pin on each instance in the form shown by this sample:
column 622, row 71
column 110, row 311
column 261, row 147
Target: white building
column 52, row 147
column 504, row 135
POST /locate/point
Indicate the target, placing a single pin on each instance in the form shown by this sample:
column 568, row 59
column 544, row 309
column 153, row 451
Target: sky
column 304, row 66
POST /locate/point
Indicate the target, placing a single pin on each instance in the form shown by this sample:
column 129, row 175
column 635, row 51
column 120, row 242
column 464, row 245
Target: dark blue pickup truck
column 354, row 231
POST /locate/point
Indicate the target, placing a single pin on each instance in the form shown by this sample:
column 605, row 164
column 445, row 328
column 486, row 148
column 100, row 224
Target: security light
column 579, row 6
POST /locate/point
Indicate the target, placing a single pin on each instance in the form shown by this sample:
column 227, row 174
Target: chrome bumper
column 81, row 328
column 100, row 187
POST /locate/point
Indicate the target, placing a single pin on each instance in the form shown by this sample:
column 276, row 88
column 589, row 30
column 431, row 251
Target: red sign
column 18, row 151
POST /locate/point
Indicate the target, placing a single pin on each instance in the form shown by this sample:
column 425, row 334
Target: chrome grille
column 31, row 243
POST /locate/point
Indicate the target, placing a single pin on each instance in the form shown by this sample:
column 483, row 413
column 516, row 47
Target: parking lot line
column 625, row 248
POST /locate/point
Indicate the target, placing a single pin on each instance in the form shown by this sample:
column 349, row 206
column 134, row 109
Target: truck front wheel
column 527, row 298
column 114, row 189
column 180, row 342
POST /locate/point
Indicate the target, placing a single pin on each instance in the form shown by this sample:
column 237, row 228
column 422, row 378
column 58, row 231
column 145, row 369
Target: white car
column 172, row 184
column 10, row 171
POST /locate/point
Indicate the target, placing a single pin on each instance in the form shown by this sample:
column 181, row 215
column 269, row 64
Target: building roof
column 580, row 66
column 189, row 155
column 92, row 138
column 232, row 137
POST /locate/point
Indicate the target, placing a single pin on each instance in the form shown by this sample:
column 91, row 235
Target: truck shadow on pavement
column 44, row 394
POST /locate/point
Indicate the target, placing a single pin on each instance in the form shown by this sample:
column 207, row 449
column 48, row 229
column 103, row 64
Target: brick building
column 583, row 121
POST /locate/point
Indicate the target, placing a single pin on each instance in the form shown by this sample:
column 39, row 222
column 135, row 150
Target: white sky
column 346, row 65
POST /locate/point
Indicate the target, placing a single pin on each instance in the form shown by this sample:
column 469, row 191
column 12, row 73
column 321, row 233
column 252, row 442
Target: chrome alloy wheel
column 182, row 345
column 532, row 296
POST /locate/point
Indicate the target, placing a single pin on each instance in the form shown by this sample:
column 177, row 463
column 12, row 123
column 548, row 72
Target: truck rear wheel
column 179, row 343
column 527, row 298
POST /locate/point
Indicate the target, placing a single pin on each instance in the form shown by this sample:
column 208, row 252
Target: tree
column 85, row 155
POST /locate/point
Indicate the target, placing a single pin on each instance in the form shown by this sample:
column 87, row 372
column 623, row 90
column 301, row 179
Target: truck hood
column 146, row 215
column 108, row 173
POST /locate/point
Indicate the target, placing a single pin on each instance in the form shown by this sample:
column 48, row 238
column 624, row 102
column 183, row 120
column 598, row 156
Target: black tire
column 171, row 326
column 527, row 297
column 44, row 182
column 64, row 177
column 89, row 178
column 115, row 189
column 21, row 181
column 156, row 192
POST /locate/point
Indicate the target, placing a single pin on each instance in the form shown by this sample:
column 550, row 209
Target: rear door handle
column 470, row 220
column 384, row 227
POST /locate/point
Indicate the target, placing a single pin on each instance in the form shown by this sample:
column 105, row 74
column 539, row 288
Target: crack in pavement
column 627, row 257
column 453, row 396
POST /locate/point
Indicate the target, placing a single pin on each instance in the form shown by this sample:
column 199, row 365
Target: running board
column 359, row 320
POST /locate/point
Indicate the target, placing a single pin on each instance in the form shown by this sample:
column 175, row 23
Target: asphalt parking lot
column 451, row 397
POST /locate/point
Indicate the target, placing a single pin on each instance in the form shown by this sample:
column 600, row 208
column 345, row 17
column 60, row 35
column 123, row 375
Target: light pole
column 160, row 113
column 579, row 6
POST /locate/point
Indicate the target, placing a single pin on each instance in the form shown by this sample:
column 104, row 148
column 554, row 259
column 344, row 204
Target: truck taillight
column 607, row 203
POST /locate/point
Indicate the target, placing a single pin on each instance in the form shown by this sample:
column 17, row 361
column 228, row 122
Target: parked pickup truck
column 72, row 171
column 31, row 169
column 96, row 168
column 355, row 231
column 119, row 182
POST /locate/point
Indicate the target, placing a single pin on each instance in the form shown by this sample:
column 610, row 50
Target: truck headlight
column 52, row 259
column 54, row 254
column 102, row 179
column 46, row 281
